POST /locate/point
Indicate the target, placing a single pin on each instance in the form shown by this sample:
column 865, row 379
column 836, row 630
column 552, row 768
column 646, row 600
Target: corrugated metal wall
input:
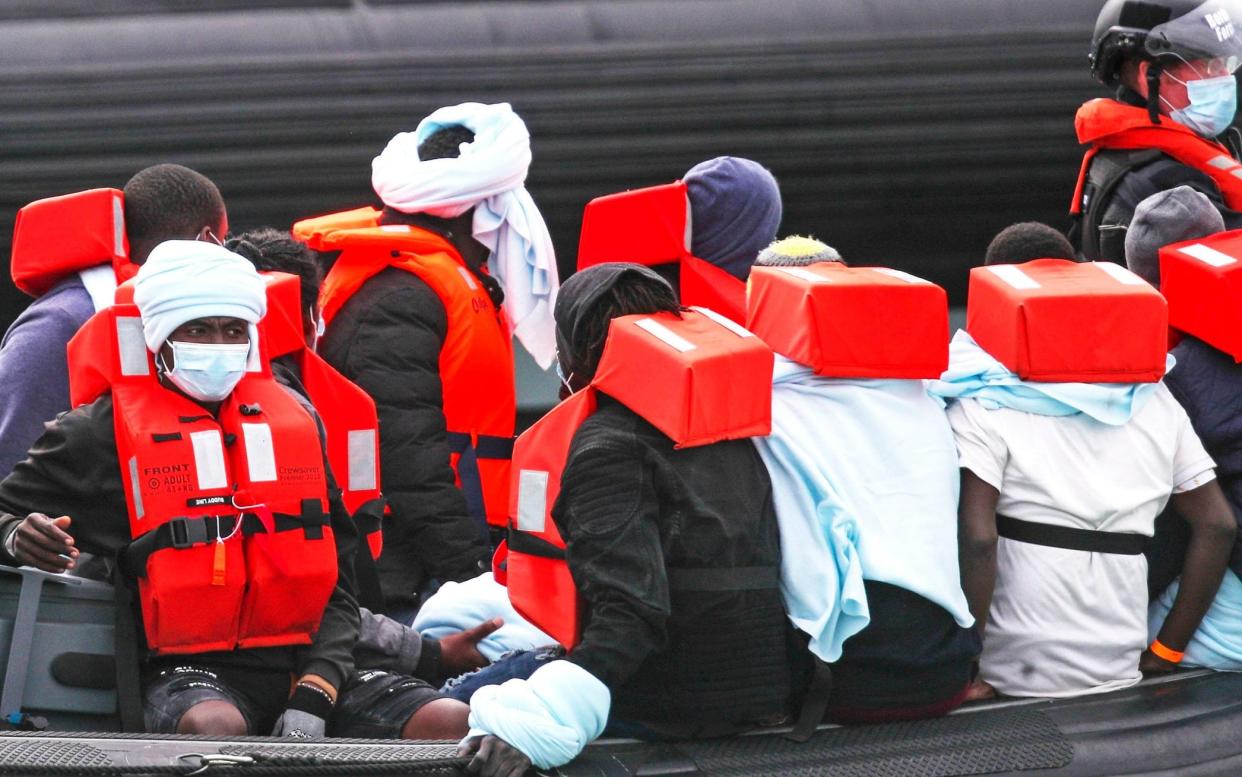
column 905, row 132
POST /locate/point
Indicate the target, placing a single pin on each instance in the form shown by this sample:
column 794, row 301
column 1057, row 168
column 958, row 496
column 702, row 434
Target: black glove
column 306, row 715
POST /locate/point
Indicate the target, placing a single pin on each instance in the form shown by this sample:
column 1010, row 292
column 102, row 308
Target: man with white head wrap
column 418, row 310
column 199, row 304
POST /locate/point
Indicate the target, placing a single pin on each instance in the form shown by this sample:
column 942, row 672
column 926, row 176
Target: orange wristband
column 1167, row 653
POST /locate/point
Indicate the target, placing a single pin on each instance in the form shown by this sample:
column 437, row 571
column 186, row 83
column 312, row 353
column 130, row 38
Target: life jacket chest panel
column 1202, row 281
column 1057, row 321
column 232, row 544
column 476, row 359
column 347, row 412
column 1109, row 124
column 699, row 378
column 651, row 227
column 852, row 322
column 56, row 237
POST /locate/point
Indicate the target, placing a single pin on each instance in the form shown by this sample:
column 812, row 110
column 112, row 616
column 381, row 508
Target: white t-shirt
column 1069, row 622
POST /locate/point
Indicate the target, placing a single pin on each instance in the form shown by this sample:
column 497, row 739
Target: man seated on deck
column 865, row 468
column 1208, row 383
column 1061, row 482
column 655, row 660
column 240, row 553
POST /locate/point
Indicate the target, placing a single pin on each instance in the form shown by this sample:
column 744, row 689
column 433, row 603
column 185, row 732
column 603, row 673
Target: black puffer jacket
column 387, row 339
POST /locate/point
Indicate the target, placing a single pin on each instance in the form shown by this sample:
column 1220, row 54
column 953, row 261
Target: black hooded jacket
column 643, row 522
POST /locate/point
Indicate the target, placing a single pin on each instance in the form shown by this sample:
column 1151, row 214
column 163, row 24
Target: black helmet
column 1148, row 29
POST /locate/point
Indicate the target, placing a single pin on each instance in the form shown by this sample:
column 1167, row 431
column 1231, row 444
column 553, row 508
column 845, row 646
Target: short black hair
column 445, row 143
column 1027, row 240
column 169, row 202
column 275, row 250
column 632, row 294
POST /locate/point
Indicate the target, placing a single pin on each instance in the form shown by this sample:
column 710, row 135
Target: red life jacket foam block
column 58, row 236
column 852, row 322
column 648, row 226
column 1202, row 280
column 698, row 378
column 651, row 227
column 280, row 330
column 1057, row 321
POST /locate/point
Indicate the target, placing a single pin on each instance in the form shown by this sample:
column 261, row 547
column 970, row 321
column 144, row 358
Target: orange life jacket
column 651, row 227
column 476, row 360
column 232, row 545
column 347, row 412
column 698, row 378
column 1109, row 124
column 56, row 237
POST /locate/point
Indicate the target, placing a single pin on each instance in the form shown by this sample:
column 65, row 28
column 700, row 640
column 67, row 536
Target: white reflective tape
column 135, row 487
column 468, row 277
column 260, row 453
column 727, row 323
column 900, row 275
column 1013, row 276
column 209, row 460
column 1236, row 173
column 689, row 223
column 1208, row 255
column 362, row 469
column 118, row 226
column 1222, row 162
column 1121, row 274
column 664, row 334
column 804, row 274
column 395, row 228
column 132, row 346
column 532, row 507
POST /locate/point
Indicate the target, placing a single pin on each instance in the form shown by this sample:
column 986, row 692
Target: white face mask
column 207, row 372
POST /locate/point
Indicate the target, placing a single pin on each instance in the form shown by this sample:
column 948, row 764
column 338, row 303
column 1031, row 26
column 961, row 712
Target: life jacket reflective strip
column 699, row 378
column 476, row 359
column 232, row 545
column 348, row 413
column 824, row 316
column 56, row 237
column 651, row 227
column 1109, row 124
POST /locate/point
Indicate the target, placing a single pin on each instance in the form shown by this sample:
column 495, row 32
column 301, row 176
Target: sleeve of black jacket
column 387, row 339
column 608, row 511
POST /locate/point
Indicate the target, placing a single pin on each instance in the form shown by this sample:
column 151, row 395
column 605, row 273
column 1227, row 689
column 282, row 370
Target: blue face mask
column 207, row 372
column 1213, row 102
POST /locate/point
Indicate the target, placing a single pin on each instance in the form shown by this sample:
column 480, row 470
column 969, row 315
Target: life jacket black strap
column 486, row 446
column 1116, row 543
column 724, row 578
column 184, row 532
column 1107, row 169
column 369, row 517
column 533, row 545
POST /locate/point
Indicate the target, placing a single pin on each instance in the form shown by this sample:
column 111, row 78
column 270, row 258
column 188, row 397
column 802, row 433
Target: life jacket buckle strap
column 185, row 533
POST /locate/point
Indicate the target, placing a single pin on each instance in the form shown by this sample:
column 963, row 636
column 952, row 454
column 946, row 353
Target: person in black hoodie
column 675, row 663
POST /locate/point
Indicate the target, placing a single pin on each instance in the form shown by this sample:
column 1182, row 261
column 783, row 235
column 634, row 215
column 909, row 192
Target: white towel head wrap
column 187, row 279
column 488, row 176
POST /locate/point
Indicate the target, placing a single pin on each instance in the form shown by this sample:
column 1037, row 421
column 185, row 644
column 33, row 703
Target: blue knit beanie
column 735, row 209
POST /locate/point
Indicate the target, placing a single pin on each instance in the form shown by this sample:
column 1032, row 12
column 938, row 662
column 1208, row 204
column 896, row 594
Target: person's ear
column 208, row 235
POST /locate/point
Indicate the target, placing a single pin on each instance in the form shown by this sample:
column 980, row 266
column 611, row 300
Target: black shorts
column 372, row 704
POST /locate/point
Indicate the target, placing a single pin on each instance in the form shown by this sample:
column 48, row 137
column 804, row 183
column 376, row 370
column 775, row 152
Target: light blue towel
column 550, row 717
column 460, row 606
column 1217, row 644
column 865, row 482
column 974, row 373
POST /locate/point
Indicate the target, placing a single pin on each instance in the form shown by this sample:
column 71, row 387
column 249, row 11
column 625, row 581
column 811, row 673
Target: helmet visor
column 1212, row 31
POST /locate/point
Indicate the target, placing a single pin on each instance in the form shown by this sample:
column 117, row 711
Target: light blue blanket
column 550, row 717
column 460, row 606
column 865, row 481
column 974, row 373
